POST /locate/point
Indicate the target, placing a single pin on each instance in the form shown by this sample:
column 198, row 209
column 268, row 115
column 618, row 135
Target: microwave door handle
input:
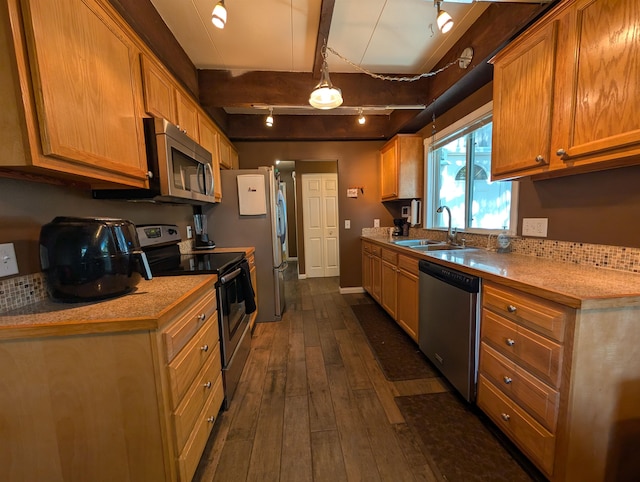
column 200, row 183
column 210, row 190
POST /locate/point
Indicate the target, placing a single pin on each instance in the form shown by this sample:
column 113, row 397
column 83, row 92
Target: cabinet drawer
column 541, row 315
column 186, row 365
column 529, row 435
column 366, row 247
column 376, row 250
column 537, row 353
column 190, row 456
column 186, row 416
column 537, row 398
column 180, row 332
column 390, row 256
column 252, row 261
column 408, row 264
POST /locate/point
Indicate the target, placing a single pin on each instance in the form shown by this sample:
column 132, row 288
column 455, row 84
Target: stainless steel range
column 234, row 293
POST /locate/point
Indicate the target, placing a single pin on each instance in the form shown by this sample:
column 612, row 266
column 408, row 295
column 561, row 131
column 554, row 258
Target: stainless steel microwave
column 180, row 170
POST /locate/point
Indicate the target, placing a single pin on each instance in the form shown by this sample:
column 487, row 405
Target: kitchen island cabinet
column 565, row 94
column 82, row 121
column 124, row 389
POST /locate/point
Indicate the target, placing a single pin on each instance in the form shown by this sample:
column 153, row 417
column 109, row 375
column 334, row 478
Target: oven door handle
column 228, row 277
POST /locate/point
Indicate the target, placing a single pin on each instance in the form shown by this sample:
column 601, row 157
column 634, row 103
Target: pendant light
column 269, row 121
column 325, row 96
column 443, row 20
column 219, row 15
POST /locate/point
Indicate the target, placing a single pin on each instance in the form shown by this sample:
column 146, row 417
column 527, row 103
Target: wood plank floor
column 313, row 404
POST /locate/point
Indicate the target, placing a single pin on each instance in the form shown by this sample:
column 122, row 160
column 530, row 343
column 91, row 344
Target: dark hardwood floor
column 313, row 404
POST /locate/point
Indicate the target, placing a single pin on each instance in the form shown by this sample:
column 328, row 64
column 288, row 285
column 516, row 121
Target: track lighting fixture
column 443, row 20
column 219, row 15
column 325, row 96
column 361, row 118
column 269, row 120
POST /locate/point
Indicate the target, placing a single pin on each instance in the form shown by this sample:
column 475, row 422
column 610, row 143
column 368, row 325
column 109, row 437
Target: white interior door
column 320, row 223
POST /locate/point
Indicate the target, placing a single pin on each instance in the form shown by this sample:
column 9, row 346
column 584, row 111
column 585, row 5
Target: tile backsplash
column 21, row 291
column 598, row 255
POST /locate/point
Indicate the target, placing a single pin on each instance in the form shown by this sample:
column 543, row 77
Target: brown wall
column 25, row 206
column 358, row 166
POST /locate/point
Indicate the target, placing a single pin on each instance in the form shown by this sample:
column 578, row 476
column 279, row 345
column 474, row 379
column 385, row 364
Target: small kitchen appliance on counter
column 202, row 240
column 401, row 227
column 234, row 292
column 91, row 258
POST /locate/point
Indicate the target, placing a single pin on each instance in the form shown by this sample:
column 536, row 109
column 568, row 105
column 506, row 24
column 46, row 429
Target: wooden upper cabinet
column 86, row 86
column 566, row 91
column 187, row 111
column 159, row 91
column 210, row 140
column 522, row 101
column 402, row 168
column 226, row 149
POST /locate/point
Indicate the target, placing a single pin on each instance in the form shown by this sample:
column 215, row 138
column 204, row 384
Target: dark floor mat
column 458, row 443
column 398, row 355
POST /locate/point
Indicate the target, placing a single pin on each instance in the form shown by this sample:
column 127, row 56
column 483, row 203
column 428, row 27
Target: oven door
column 232, row 313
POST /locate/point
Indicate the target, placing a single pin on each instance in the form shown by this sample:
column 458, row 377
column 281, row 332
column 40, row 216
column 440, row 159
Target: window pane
column 450, row 191
column 490, row 202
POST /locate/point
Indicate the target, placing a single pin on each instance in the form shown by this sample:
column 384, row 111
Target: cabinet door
column 522, row 105
column 235, row 162
column 389, row 171
column 407, row 312
column 366, row 272
column 187, row 111
column 603, row 111
column 210, row 139
column 159, row 91
column 388, row 289
column 376, row 278
column 225, row 154
column 86, row 76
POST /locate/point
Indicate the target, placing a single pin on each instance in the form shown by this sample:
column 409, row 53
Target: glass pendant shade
column 444, row 21
column 325, row 96
column 219, row 15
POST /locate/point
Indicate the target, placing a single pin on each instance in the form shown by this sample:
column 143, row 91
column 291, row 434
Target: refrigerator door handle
column 283, row 266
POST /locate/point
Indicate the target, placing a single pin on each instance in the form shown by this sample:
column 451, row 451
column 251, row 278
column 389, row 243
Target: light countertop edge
column 577, row 286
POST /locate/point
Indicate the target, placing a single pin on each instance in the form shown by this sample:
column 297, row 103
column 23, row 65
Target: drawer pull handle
column 210, row 419
column 505, row 416
column 202, row 317
column 205, row 348
column 510, row 341
column 207, row 385
column 507, row 380
column 511, row 309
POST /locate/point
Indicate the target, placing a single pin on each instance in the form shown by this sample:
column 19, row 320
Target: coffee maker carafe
column 200, row 224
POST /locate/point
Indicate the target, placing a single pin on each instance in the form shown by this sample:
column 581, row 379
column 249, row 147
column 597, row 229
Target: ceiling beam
column 326, row 15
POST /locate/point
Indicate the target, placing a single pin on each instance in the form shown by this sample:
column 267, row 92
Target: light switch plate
column 8, row 263
column 535, row 227
column 347, row 224
column 376, row 223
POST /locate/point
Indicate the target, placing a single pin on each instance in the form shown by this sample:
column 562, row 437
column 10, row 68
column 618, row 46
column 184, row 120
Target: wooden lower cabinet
column 391, row 278
column 254, row 282
column 125, row 406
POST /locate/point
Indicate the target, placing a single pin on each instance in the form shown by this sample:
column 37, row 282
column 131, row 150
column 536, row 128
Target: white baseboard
column 351, row 290
column 302, row 276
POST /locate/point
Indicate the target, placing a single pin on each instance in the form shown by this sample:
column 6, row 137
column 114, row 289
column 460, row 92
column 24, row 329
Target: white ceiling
column 383, row 36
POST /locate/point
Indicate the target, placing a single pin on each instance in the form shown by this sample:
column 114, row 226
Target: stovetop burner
column 197, row 263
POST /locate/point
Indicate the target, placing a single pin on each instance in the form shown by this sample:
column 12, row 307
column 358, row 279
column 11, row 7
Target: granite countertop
column 574, row 285
column 151, row 304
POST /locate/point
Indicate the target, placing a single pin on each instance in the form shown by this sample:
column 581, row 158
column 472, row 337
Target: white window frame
column 430, row 195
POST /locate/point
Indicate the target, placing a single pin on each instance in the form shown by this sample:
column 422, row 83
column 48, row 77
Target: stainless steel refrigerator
column 253, row 213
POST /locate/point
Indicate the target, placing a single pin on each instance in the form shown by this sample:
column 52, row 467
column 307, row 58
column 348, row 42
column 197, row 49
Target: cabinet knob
column 539, row 159
column 205, row 348
column 207, row 385
column 202, row 317
column 210, row 419
column 510, row 341
column 507, row 379
column 561, row 153
column 149, row 175
column 511, row 309
column 505, row 416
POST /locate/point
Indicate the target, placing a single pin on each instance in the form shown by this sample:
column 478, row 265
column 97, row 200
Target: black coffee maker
column 401, row 227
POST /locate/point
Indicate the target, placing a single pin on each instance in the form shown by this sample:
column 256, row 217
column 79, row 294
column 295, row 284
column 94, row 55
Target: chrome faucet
column 451, row 235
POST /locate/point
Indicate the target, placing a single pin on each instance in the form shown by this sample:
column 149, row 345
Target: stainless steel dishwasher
column 448, row 331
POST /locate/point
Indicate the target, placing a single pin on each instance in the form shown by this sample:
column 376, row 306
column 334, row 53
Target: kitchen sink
column 436, row 247
column 412, row 243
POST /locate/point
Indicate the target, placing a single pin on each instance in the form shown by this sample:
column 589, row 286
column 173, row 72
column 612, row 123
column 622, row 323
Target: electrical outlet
column 8, row 263
column 347, row 224
column 535, row 227
column 189, row 232
column 376, row 223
